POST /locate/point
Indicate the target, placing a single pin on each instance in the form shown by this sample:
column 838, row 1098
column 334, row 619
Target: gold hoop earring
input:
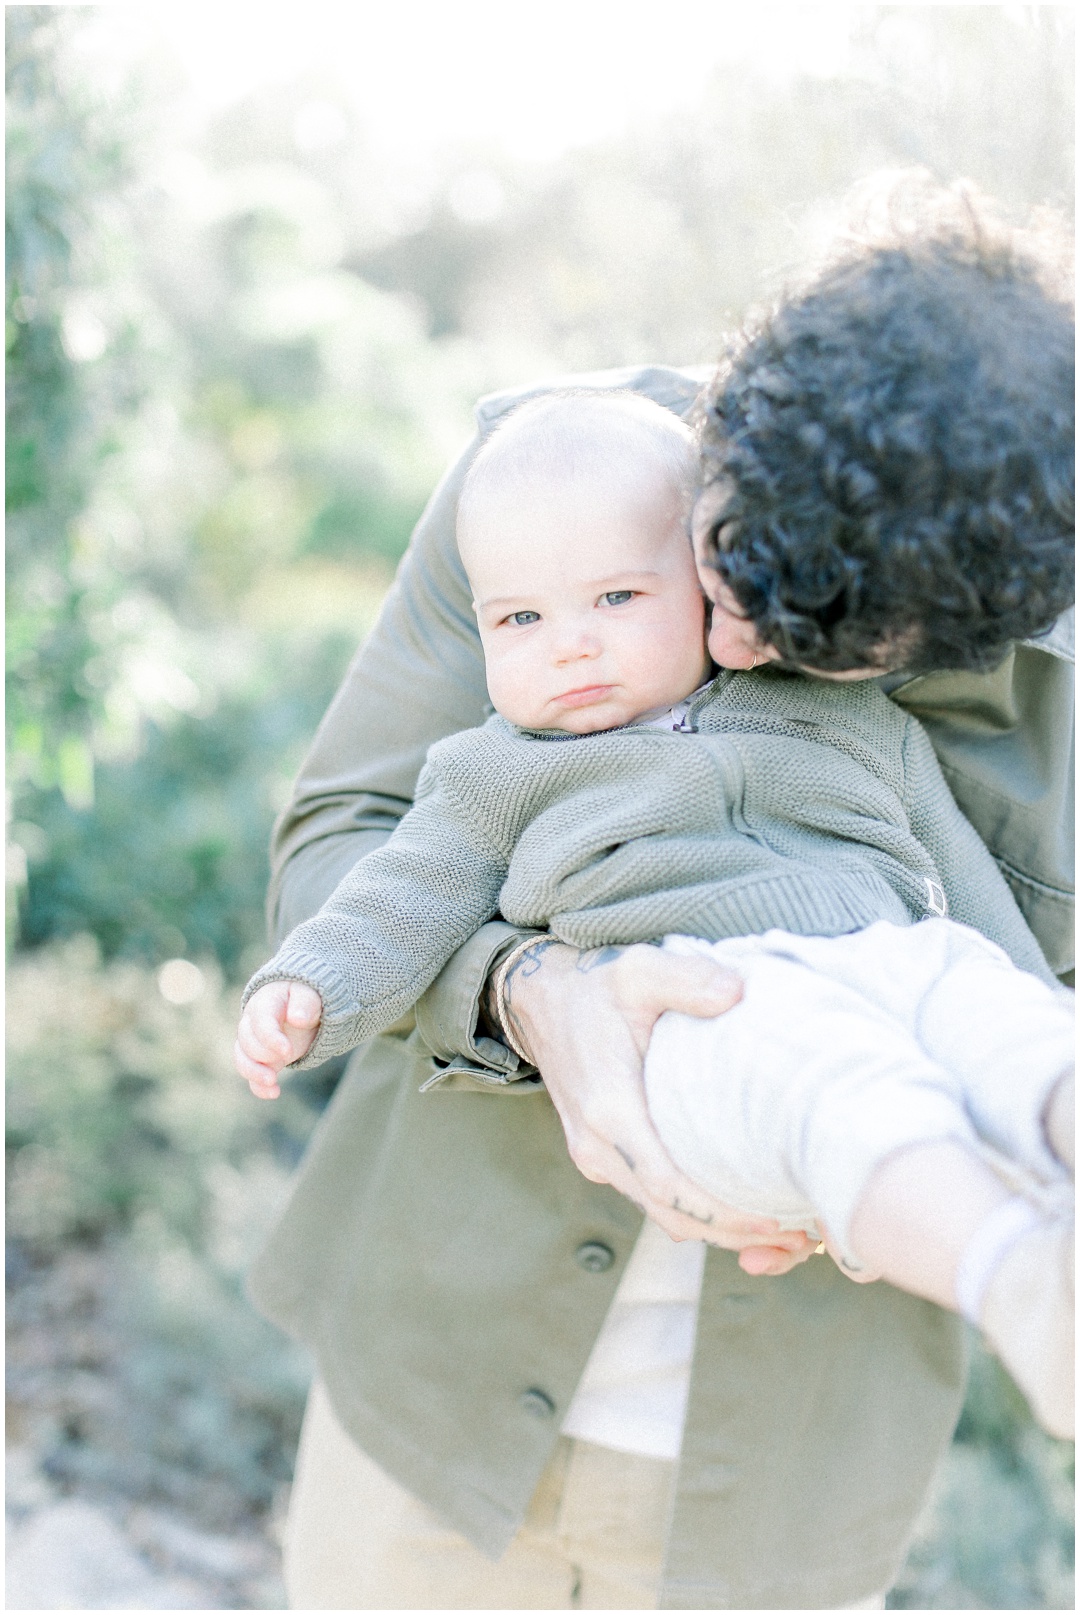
column 753, row 664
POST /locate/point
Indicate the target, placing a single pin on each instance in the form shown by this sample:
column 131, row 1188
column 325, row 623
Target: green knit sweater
column 809, row 805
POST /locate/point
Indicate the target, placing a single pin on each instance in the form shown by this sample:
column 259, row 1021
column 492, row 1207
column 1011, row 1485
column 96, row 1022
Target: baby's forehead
column 597, row 443
column 628, row 482
column 554, row 549
column 583, row 439
column 635, row 494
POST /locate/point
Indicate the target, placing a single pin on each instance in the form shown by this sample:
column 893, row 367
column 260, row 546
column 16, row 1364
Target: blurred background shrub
column 241, row 349
column 143, row 1179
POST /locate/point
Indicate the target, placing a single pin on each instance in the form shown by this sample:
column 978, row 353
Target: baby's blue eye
column 618, row 597
column 523, row 619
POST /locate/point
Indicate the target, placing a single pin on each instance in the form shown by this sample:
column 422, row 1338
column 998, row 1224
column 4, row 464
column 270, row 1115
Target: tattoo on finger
column 695, row 1216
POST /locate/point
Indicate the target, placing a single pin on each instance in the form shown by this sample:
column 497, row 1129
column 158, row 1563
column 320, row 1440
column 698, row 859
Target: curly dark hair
column 891, row 450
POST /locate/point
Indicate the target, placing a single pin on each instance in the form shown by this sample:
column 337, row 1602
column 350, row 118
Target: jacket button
column 594, row 1256
column 536, row 1403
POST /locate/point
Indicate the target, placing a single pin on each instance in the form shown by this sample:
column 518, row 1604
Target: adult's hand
column 585, row 1019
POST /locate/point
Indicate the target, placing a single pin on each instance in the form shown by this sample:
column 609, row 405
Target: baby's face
column 589, row 607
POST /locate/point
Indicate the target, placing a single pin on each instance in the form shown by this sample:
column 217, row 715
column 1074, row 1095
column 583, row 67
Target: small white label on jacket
column 936, row 901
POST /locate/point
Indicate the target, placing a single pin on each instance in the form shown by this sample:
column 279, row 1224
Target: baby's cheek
column 511, row 690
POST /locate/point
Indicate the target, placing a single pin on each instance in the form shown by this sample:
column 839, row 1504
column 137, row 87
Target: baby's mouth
column 586, row 696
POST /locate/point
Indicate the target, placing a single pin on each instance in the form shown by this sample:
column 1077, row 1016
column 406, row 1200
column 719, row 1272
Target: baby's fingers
column 261, row 1079
column 264, row 1020
column 263, row 1040
column 304, row 1006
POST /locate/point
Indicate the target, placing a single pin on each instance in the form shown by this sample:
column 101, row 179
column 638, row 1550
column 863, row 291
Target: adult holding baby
column 443, row 1257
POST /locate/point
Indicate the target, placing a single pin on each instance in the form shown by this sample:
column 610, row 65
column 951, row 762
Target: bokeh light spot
column 180, row 982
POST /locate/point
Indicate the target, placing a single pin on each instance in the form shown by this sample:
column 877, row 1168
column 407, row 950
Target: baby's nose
column 576, row 645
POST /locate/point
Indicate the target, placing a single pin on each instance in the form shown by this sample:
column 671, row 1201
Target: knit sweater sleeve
column 974, row 887
column 393, row 921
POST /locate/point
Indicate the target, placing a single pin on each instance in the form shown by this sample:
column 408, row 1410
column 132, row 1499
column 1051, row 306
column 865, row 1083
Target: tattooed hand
column 585, row 1019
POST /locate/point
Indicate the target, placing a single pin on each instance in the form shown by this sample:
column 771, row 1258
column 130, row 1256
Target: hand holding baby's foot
column 277, row 1027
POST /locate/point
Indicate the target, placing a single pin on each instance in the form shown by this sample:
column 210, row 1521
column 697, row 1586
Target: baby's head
column 572, row 529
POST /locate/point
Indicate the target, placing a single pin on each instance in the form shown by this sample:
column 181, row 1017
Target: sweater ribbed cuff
column 339, row 1005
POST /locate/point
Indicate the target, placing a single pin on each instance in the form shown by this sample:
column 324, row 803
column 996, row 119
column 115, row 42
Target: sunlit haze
column 531, row 82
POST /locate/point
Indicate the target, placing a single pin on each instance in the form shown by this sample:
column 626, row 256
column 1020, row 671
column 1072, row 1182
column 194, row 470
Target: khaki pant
column 593, row 1537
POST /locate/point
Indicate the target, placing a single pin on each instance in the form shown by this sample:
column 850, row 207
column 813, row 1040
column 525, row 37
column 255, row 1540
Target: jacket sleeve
column 975, row 890
column 1004, row 740
column 393, row 921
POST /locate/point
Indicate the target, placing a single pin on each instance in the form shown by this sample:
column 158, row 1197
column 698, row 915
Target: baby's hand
column 277, row 1027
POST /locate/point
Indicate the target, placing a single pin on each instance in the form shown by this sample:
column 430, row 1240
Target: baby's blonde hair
column 583, row 434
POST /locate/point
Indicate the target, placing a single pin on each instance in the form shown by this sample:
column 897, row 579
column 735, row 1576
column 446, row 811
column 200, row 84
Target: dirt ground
column 74, row 1540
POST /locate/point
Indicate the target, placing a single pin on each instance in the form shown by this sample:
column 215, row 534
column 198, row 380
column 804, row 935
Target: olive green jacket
column 439, row 1252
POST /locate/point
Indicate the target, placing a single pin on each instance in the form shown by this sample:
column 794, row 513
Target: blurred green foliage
column 238, row 358
column 219, row 443
column 141, row 1176
column 172, row 857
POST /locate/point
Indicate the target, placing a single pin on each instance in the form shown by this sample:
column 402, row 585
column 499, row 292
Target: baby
column 891, row 1075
